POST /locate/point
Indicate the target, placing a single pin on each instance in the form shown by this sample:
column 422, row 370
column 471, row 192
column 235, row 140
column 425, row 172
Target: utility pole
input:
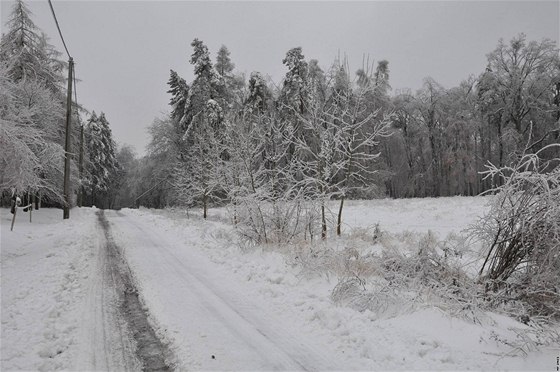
column 81, row 168
column 66, row 207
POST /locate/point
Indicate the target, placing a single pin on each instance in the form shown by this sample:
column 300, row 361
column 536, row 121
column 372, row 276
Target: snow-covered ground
column 220, row 305
column 59, row 310
column 439, row 215
column 44, row 279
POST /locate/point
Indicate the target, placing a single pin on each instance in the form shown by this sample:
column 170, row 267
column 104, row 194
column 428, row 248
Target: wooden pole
column 81, row 168
column 67, row 148
column 14, row 218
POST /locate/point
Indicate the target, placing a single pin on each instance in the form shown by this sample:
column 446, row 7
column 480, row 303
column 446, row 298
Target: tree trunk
column 339, row 219
column 30, row 203
column 476, row 166
column 80, row 191
column 323, row 223
column 205, row 206
column 500, row 144
column 435, row 164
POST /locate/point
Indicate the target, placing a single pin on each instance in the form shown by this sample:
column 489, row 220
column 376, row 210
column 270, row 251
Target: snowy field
column 221, row 305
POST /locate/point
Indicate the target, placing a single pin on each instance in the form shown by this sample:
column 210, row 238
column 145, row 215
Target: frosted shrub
column 522, row 236
column 281, row 221
column 400, row 280
column 384, row 301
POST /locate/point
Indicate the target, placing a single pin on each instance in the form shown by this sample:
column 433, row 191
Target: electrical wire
column 73, row 65
column 58, row 27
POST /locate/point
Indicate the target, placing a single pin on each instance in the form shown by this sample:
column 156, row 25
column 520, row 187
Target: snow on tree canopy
column 31, row 108
column 101, row 149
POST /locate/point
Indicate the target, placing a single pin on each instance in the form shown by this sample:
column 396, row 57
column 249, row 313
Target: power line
column 58, row 27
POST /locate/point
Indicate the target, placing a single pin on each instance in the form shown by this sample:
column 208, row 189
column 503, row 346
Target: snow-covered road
column 215, row 324
column 106, row 344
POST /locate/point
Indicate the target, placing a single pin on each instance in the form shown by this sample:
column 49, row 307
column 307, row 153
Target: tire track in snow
column 150, row 351
column 105, row 340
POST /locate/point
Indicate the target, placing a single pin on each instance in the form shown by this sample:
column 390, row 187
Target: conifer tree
column 295, row 90
column 28, row 54
column 204, row 121
column 103, row 163
column 203, row 88
column 294, row 98
column 179, row 91
column 259, row 95
column 229, row 85
column 224, row 65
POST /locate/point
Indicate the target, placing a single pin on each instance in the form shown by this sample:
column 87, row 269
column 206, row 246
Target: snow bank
column 45, row 266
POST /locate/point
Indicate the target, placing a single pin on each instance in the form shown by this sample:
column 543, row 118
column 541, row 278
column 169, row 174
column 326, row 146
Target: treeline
column 444, row 138
column 433, row 142
column 33, row 80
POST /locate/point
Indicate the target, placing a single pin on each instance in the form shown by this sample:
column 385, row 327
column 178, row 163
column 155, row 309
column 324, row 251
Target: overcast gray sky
column 124, row 49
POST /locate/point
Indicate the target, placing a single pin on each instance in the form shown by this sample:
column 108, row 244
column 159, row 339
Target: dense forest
column 434, row 142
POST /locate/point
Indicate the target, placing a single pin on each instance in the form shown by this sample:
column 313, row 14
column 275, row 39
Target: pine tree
column 200, row 58
column 294, row 99
column 204, row 119
column 179, row 91
column 224, row 65
column 295, row 90
column 203, row 88
column 259, row 96
column 229, row 86
column 103, row 163
column 28, row 54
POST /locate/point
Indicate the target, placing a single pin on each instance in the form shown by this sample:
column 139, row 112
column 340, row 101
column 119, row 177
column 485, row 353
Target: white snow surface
column 219, row 306
column 44, row 280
